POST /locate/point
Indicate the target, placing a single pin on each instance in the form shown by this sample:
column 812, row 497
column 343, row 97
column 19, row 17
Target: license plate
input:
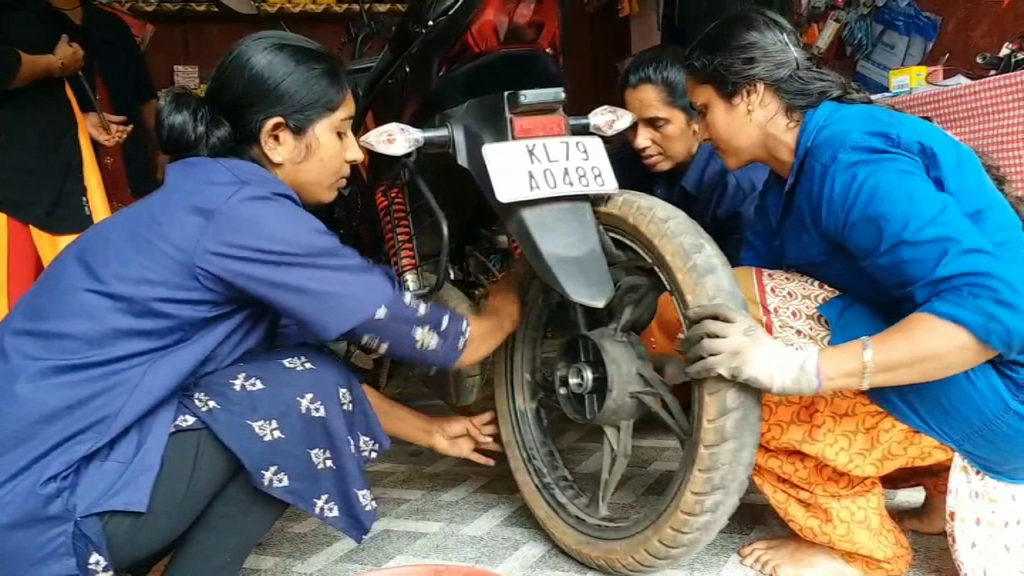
column 539, row 168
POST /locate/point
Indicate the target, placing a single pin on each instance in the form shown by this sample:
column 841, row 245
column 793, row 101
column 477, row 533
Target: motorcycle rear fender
column 558, row 237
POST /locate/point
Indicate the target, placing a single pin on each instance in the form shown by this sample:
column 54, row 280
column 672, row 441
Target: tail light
column 539, row 125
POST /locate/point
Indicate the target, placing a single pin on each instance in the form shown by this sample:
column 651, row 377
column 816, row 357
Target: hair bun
column 186, row 126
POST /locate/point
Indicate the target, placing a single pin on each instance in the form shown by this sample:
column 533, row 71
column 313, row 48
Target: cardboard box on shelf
column 187, row 75
column 907, row 79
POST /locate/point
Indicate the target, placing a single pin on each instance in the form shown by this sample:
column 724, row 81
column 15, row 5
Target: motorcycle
column 475, row 163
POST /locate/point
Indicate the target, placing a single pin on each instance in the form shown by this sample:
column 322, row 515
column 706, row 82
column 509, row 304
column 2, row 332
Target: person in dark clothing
column 50, row 187
column 668, row 142
column 118, row 75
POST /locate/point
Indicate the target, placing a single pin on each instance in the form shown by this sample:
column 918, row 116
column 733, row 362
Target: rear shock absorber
column 396, row 223
column 516, row 250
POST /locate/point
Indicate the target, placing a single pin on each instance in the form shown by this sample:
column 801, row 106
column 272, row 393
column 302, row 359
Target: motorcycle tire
column 464, row 390
column 726, row 422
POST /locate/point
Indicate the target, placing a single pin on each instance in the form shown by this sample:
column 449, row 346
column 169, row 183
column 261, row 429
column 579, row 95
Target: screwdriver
column 95, row 103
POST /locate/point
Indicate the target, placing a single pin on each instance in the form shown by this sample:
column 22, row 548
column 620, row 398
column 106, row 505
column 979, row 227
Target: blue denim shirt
column 902, row 218
column 719, row 200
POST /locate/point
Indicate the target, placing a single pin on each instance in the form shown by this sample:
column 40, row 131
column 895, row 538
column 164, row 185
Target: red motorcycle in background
column 475, row 163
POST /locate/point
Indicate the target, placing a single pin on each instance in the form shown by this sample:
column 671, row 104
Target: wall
column 593, row 43
column 202, row 40
column 644, row 28
column 972, row 26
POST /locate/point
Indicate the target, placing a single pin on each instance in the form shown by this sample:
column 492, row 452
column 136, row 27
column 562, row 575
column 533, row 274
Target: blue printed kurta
column 719, row 200
column 901, row 218
column 167, row 297
column 302, row 427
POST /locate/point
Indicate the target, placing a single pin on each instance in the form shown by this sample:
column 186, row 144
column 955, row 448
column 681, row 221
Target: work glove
column 725, row 342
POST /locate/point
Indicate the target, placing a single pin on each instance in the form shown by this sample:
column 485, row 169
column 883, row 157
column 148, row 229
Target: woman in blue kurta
column 925, row 252
column 157, row 400
column 667, row 140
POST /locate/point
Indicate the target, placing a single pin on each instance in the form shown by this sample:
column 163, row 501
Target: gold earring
column 750, row 113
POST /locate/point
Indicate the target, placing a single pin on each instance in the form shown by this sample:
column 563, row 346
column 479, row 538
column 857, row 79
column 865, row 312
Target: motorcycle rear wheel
column 726, row 423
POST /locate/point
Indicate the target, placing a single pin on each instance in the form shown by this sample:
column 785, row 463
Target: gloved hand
column 725, row 342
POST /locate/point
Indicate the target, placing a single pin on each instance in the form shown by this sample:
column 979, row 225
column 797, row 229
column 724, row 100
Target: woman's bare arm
column 32, row 69
column 400, row 421
column 498, row 319
column 920, row 348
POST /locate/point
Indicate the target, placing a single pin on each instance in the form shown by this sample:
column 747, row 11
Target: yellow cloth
column 48, row 245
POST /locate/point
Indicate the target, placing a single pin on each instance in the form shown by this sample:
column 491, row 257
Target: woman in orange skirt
column 896, row 234
column 825, row 461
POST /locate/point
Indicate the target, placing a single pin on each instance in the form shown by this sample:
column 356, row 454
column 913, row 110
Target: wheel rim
column 544, row 425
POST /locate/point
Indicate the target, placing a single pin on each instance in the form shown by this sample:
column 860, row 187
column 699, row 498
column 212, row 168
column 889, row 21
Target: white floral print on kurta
column 345, row 397
column 266, row 429
column 366, row 499
column 426, row 338
column 99, row 566
column 311, row 406
column 298, row 363
column 323, row 506
column 368, row 447
column 184, row 421
column 465, row 334
column 321, row 458
column 444, row 321
column 352, row 444
column 204, row 402
column 274, row 477
column 416, row 304
column 244, row 382
column 381, row 313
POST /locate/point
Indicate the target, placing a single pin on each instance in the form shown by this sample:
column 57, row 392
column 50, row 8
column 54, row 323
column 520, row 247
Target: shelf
column 264, row 8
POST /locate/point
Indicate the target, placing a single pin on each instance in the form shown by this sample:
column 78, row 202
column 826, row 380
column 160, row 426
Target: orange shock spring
column 516, row 250
column 396, row 224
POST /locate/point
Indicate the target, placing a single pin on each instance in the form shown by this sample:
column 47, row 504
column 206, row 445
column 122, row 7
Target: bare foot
column 930, row 518
column 794, row 556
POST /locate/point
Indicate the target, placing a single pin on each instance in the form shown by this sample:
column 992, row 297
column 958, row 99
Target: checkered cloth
column 987, row 115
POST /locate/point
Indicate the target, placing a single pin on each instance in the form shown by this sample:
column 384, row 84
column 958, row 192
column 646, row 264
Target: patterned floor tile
column 440, row 510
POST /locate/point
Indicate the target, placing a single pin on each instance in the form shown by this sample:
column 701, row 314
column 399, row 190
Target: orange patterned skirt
column 26, row 250
column 825, row 461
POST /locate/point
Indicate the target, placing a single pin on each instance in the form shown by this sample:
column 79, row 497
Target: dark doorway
column 683, row 20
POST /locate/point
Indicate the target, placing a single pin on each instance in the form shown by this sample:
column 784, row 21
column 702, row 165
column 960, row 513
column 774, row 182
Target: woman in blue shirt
column 906, row 224
column 668, row 142
column 153, row 401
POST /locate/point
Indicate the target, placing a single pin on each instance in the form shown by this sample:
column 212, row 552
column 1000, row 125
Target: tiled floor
column 439, row 510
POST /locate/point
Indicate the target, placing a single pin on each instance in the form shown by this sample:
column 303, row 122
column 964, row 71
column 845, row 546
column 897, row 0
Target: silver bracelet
column 867, row 356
